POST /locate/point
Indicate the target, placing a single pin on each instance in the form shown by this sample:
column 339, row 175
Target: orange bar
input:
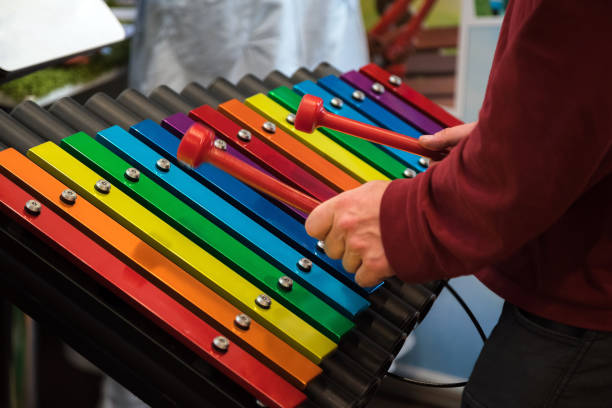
column 277, row 354
column 289, row 146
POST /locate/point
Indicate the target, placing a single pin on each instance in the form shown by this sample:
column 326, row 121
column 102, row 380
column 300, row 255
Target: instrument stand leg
column 5, row 351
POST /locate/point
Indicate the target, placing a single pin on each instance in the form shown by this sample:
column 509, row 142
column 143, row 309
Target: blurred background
column 441, row 48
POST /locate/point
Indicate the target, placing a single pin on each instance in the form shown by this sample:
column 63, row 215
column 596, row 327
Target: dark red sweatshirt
column 525, row 201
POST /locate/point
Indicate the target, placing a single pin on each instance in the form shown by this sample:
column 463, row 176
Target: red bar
column 71, row 243
column 262, row 154
column 411, row 96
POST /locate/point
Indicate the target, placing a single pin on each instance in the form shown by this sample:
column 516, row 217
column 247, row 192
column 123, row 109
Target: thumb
column 445, row 138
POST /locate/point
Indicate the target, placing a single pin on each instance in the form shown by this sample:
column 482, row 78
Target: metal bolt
column 321, row 245
column 358, row 95
column 424, row 161
column 269, row 127
column 409, row 173
column 163, row 164
column 378, row 87
column 305, row 264
column 336, row 102
column 103, row 186
column 243, row 321
column 291, row 118
column 221, row 343
column 132, row 174
column 263, row 301
column 285, row 282
column 220, row 144
column 68, row 196
column 244, row 135
column 395, row 80
column 33, row 207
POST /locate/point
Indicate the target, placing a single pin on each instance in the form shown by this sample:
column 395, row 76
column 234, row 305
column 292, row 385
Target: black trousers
column 529, row 361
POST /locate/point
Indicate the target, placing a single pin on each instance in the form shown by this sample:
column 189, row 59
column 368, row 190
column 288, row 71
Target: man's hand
column 447, row 138
column 350, row 226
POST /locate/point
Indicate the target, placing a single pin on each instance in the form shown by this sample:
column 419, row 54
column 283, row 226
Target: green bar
column 206, row 234
column 374, row 156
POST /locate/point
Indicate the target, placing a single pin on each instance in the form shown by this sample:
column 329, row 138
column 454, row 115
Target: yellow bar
column 182, row 251
column 316, row 140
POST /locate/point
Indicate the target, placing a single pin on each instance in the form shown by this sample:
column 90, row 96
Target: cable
column 481, row 333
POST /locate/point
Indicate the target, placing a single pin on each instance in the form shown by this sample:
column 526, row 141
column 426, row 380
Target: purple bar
column 179, row 123
column 393, row 103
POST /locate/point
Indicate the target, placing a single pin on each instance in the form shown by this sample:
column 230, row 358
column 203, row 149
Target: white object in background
column 35, row 32
column 477, row 43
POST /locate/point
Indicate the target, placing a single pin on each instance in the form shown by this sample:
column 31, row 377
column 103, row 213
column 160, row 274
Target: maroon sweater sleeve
column 542, row 136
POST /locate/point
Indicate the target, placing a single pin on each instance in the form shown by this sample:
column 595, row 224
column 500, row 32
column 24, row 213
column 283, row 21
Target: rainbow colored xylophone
column 224, row 273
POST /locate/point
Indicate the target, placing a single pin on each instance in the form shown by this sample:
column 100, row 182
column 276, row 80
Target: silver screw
column 263, row 301
column 305, row 264
column 358, row 95
column 103, row 186
column 285, row 282
column 409, row 173
column 163, row 164
column 33, row 207
column 336, row 102
column 244, row 135
column 291, row 118
column 395, row 80
column 269, row 127
column 321, row 245
column 68, row 196
column 132, row 174
column 243, row 321
column 378, row 87
column 424, row 161
column 221, row 343
column 220, row 144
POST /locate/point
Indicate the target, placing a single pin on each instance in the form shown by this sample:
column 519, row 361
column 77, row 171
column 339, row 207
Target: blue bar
column 309, row 87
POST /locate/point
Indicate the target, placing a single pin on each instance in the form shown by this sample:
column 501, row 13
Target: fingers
column 351, row 261
column 366, row 277
column 319, row 222
column 446, row 138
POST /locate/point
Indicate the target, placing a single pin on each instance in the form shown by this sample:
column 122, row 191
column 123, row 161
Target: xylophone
column 185, row 284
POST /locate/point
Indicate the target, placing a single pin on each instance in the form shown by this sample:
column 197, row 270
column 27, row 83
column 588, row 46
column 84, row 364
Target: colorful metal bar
column 411, row 96
column 312, row 114
column 344, row 109
column 385, row 155
column 327, row 148
column 183, row 251
column 206, row 303
column 392, row 102
column 289, row 146
column 248, row 201
column 179, row 123
column 125, row 282
column 201, row 200
column 203, row 232
column 261, row 153
column 374, row 112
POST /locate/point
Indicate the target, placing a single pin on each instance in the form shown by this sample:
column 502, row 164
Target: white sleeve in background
column 179, row 41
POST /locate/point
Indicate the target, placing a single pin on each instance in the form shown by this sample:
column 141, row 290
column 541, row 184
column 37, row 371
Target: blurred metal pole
column 5, row 352
column 31, row 365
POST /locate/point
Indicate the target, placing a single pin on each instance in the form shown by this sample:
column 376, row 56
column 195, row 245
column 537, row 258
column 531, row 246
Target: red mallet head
column 196, row 145
column 309, row 113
